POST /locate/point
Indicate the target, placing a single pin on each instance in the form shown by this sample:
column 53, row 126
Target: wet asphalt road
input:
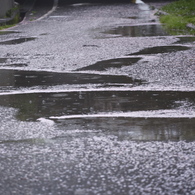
column 96, row 99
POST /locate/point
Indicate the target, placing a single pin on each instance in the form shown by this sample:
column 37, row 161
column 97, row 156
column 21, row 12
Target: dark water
column 3, row 60
column 100, row 110
column 14, row 65
column 160, row 49
column 136, row 129
column 19, row 78
column 33, row 106
column 17, row 41
column 112, row 63
column 183, row 40
column 137, row 31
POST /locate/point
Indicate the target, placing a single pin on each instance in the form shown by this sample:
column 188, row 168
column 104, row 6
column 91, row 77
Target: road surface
column 96, row 99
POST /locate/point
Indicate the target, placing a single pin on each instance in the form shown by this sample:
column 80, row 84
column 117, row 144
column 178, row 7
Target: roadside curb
column 55, row 4
column 26, row 9
column 53, row 8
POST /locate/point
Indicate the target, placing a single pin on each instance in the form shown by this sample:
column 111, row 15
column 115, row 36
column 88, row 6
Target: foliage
column 180, row 13
column 14, row 16
column 6, row 26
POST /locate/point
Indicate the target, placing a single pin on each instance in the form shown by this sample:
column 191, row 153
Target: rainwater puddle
column 112, row 63
column 14, row 65
column 137, row 31
column 119, row 113
column 3, row 60
column 133, row 17
column 142, row 19
column 183, row 40
column 70, row 104
column 17, row 41
column 161, row 49
column 20, row 78
column 136, row 129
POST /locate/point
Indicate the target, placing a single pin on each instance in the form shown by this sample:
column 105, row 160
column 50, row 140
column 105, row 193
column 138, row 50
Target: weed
column 180, row 13
column 6, row 26
column 12, row 16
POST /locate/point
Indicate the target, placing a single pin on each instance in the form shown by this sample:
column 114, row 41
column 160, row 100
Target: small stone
column 190, row 25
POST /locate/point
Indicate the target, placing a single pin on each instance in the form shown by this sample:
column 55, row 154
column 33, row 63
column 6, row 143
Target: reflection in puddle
column 16, row 41
column 92, row 102
column 145, row 10
column 142, row 129
column 161, row 49
column 185, row 40
column 19, row 78
column 137, row 31
column 81, row 110
column 112, row 63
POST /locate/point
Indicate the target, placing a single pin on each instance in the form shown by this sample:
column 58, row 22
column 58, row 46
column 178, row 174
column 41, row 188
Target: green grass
column 12, row 22
column 6, row 26
column 180, row 13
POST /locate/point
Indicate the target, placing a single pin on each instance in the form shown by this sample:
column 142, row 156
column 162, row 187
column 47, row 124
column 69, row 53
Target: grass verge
column 180, row 14
column 11, row 19
column 6, row 26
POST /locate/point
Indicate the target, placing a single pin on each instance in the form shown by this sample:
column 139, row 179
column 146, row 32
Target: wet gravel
column 72, row 38
column 95, row 164
column 40, row 155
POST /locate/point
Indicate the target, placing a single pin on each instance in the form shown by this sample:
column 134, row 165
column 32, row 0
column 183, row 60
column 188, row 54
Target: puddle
column 117, row 113
column 112, row 63
column 161, row 49
column 137, row 31
column 105, row 104
column 8, row 32
column 185, row 40
column 3, row 60
column 17, row 41
column 44, row 34
column 14, row 65
column 20, row 78
column 136, row 129
column 133, row 17
column 9, row 62
column 141, row 19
